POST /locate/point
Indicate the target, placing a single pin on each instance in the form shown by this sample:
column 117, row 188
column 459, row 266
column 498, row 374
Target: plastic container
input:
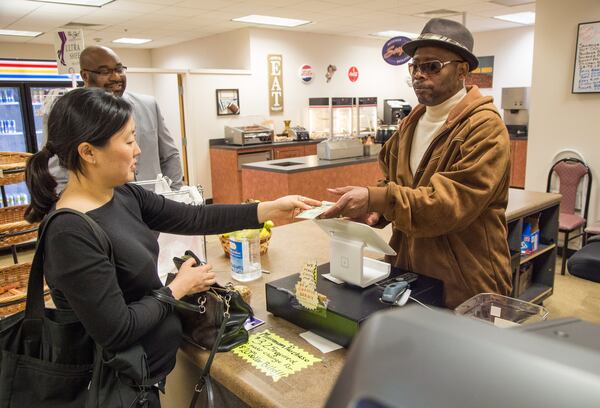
column 244, row 250
column 501, row 311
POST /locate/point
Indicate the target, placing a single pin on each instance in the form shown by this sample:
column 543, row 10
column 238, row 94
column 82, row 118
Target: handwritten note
column 587, row 59
column 306, row 287
column 273, row 355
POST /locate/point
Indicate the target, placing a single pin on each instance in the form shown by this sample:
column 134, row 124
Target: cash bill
column 315, row 211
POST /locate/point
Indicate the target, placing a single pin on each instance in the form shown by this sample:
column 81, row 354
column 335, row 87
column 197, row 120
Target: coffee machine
column 394, row 110
column 515, row 103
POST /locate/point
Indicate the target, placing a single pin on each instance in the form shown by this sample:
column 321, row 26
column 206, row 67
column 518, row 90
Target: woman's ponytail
column 41, row 186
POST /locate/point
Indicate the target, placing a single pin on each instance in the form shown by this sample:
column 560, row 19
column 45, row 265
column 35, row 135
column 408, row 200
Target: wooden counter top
column 291, row 245
column 521, row 202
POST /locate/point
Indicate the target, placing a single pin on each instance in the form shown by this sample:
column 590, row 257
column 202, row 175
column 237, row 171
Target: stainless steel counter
column 306, row 163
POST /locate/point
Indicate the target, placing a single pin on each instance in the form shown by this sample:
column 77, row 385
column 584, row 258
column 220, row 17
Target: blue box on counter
column 530, row 238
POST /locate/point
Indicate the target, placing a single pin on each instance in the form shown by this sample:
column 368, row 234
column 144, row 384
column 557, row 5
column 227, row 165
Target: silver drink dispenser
column 515, row 103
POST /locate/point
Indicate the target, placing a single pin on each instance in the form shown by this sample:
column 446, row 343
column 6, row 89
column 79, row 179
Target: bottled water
column 244, row 250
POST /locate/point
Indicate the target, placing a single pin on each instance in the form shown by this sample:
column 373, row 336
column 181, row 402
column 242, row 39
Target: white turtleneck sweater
column 433, row 118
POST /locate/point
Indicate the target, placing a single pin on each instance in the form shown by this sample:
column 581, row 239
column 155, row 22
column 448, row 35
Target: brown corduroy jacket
column 449, row 218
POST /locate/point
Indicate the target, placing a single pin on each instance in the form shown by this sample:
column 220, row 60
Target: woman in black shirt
column 93, row 134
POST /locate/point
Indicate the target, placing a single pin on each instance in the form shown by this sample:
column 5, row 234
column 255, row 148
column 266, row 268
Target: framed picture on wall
column 228, row 102
column 586, row 73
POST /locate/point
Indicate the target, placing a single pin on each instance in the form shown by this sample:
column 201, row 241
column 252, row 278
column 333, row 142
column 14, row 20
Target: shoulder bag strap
column 35, row 287
column 204, row 380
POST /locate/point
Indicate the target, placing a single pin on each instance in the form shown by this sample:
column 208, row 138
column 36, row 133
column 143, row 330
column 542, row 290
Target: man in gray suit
column 101, row 67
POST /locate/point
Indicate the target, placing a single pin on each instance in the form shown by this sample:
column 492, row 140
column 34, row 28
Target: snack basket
column 264, row 244
column 13, row 288
column 12, row 167
column 13, row 227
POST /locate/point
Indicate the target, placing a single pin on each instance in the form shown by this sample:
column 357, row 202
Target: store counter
column 291, row 245
column 308, row 176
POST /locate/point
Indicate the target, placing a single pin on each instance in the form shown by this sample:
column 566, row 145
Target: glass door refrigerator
column 26, row 88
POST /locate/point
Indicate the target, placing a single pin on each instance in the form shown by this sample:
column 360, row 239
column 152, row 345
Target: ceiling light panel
column 17, row 33
column 136, row 41
column 393, row 33
column 89, row 3
column 527, row 17
column 271, row 20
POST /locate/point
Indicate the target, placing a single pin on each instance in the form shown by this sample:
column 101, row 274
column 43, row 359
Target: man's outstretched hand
column 353, row 203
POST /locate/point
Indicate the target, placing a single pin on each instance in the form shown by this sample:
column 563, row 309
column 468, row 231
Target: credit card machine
column 298, row 133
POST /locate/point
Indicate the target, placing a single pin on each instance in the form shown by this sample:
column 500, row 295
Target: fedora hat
column 448, row 34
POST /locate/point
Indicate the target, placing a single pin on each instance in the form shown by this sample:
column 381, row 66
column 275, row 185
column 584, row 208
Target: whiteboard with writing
column 586, row 77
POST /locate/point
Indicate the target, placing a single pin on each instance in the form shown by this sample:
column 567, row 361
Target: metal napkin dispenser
column 339, row 148
column 248, row 135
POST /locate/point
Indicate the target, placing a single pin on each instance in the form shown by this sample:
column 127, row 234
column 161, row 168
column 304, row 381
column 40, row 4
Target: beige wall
column 229, row 50
column 513, row 57
column 559, row 119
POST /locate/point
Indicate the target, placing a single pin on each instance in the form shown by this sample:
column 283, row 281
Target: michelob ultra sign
column 275, row 63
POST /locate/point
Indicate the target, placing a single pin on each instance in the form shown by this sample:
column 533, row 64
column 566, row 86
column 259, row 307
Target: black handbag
column 213, row 320
column 47, row 359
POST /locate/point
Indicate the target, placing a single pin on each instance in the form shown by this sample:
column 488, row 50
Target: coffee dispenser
column 515, row 103
column 394, row 110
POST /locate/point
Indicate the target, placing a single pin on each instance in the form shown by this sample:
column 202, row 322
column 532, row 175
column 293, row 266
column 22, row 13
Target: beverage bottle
column 11, row 200
column 13, row 126
column 24, row 199
column 244, row 251
column 2, row 95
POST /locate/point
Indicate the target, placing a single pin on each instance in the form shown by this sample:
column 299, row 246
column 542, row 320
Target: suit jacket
column 159, row 153
column 449, row 217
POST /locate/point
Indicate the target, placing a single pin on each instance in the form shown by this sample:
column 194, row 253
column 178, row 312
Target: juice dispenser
column 319, row 118
column 341, row 117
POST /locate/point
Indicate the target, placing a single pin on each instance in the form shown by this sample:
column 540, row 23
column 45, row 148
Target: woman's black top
column 113, row 301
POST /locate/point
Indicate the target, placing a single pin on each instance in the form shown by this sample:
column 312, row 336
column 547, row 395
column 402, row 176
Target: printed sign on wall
column 353, row 74
column 392, row 51
column 68, row 44
column 306, row 73
column 275, row 63
column 483, row 75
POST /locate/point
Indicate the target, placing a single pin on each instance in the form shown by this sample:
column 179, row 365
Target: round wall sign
column 392, row 51
column 306, row 73
column 353, row 74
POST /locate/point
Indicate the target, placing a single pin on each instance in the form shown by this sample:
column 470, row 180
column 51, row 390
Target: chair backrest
column 570, row 172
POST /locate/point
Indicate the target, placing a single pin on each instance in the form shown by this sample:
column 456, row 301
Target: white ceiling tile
column 132, row 6
column 180, row 11
column 161, row 2
column 208, row 5
column 171, row 21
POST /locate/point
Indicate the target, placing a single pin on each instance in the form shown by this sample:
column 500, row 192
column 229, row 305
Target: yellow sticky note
column 273, row 355
column 307, row 295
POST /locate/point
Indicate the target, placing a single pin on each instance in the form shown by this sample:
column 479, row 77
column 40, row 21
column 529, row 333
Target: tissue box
column 530, row 237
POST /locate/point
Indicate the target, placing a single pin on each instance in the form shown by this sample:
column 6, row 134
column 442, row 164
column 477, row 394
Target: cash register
column 352, row 285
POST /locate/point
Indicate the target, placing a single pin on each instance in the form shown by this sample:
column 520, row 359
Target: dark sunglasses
column 430, row 67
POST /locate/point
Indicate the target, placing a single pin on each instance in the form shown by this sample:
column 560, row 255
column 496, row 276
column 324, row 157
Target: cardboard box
column 525, row 277
column 530, row 237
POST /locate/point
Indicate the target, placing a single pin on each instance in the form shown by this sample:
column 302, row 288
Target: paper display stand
column 348, row 241
column 172, row 245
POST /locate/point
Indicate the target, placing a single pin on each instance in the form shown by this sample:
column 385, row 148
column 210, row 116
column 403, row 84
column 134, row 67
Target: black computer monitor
column 411, row 357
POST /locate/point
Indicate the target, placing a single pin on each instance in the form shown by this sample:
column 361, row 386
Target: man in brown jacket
column 446, row 174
